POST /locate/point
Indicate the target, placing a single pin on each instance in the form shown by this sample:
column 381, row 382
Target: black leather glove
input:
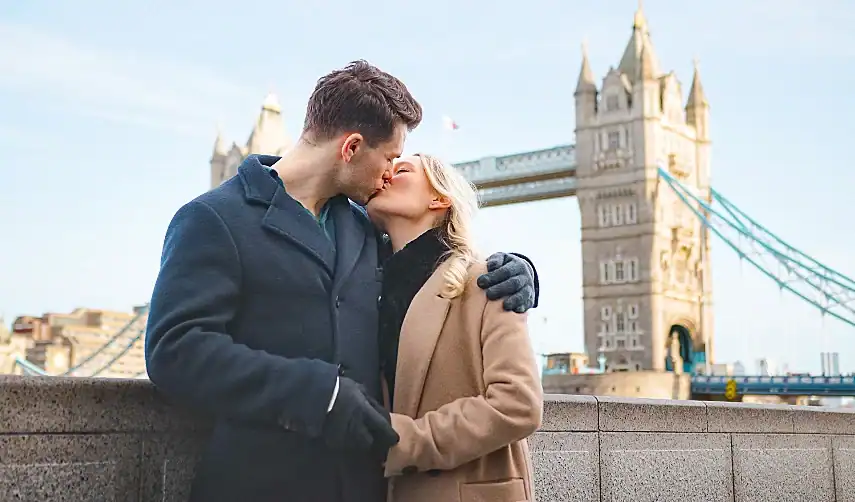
column 357, row 422
column 512, row 278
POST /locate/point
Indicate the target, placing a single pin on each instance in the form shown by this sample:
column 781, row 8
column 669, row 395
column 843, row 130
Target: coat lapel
column 285, row 216
column 419, row 334
column 350, row 234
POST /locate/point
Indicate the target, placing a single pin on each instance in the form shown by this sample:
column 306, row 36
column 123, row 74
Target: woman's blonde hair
column 456, row 225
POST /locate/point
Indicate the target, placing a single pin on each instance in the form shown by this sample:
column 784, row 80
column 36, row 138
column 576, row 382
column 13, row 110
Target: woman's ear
column 439, row 202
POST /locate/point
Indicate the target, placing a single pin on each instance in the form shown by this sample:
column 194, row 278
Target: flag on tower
column 449, row 123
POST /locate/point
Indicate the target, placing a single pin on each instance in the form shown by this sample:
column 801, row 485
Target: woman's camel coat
column 467, row 394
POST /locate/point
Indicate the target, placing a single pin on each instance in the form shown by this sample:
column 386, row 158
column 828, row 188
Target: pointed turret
column 269, row 136
column 697, row 106
column 586, row 75
column 639, row 42
column 697, row 98
column 647, row 69
column 586, row 92
column 220, row 146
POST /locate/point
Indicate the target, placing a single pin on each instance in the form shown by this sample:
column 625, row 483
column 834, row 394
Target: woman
column 465, row 390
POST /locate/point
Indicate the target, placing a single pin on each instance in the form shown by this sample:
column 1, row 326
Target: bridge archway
column 679, row 349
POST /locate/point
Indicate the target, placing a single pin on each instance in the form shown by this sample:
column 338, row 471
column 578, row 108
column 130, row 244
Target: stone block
column 655, row 467
column 70, row 468
column 168, row 465
column 651, row 415
column 566, row 466
column 816, row 420
column 843, row 451
column 569, row 413
column 55, row 404
column 744, row 417
column 782, row 467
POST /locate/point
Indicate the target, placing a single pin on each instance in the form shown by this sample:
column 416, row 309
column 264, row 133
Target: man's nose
column 387, row 176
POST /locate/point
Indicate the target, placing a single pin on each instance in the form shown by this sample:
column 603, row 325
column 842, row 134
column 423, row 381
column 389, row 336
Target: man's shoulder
column 223, row 200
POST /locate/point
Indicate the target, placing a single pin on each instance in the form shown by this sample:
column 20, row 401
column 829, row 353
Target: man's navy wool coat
column 253, row 316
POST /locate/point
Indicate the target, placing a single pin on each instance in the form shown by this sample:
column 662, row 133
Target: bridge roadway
column 523, row 177
column 776, row 385
column 108, row 439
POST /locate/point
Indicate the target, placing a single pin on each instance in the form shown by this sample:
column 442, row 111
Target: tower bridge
column 640, row 172
column 645, row 258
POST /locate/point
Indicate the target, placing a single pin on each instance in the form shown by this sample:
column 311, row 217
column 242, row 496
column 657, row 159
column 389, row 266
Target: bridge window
column 605, row 215
column 619, row 277
column 606, row 313
column 614, row 140
column 605, row 273
column 631, row 213
column 617, row 214
column 620, row 323
column 632, row 266
column 633, row 311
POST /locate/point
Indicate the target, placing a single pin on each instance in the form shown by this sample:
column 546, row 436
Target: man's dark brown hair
column 360, row 98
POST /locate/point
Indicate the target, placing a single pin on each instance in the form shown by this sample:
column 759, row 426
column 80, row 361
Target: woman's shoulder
column 475, row 270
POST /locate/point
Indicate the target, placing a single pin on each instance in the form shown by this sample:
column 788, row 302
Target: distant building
column 267, row 137
column 566, row 363
column 103, row 343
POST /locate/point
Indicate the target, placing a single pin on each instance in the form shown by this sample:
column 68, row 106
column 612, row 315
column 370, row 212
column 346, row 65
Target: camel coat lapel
column 419, row 334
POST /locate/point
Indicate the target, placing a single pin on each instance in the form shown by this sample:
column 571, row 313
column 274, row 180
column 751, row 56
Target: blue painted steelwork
column 777, row 385
column 831, row 292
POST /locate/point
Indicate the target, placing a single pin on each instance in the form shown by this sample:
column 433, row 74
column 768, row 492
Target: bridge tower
column 646, row 268
column 268, row 137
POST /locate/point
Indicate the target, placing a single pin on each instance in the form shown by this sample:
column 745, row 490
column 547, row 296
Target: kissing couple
column 329, row 310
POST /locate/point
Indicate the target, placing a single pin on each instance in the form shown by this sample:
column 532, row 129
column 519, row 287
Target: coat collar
column 288, row 218
column 350, row 232
column 419, row 335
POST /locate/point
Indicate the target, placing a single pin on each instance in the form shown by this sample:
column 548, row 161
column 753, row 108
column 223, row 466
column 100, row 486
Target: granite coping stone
column 102, row 405
column 749, row 417
column 818, row 420
column 651, row 415
column 71, row 404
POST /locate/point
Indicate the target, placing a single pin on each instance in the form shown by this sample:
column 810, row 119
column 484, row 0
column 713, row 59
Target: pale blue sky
column 108, row 113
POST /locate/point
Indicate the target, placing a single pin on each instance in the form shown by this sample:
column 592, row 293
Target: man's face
column 369, row 168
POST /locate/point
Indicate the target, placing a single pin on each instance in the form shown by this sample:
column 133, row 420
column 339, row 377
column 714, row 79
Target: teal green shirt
column 327, row 224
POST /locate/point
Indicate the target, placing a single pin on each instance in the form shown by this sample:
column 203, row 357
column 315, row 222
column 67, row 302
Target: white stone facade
column 267, row 137
column 645, row 254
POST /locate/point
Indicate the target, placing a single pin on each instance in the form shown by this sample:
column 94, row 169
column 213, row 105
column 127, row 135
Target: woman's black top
column 404, row 274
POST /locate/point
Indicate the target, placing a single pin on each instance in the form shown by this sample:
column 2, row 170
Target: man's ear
column 352, row 143
column 439, row 202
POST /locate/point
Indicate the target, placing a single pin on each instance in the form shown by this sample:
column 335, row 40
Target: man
column 264, row 313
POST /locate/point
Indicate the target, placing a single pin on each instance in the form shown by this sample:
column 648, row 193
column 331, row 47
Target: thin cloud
column 125, row 88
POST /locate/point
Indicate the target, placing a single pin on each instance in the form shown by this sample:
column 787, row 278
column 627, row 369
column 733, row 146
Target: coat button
column 337, row 302
column 410, row 469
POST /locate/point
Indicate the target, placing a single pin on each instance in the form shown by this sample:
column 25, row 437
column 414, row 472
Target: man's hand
column 512, row 278
column 357, row 421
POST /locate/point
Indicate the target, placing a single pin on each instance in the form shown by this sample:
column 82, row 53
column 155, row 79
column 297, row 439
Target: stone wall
column 65, row 439
column 648, row 384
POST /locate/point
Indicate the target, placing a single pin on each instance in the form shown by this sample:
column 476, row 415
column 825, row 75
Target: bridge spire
column 697, row 106
column 586, row 76
column 639, row 42
column 269, row 136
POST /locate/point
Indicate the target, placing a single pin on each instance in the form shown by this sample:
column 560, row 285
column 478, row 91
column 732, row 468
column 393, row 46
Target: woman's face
column 407, row 195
